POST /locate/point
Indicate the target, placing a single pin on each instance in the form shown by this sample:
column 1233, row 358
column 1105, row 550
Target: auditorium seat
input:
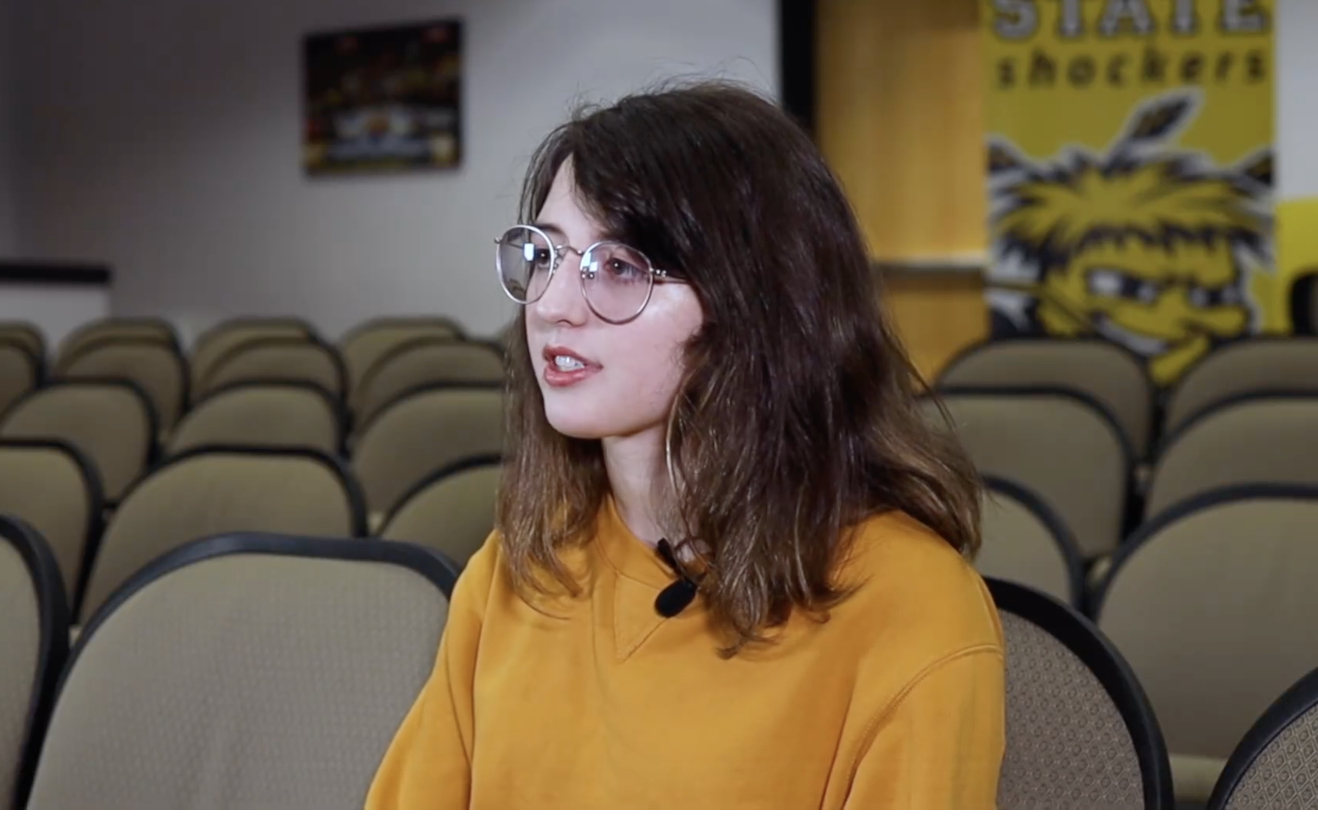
column 54, row 488
column 1275, row 766
column 33, row 648
column 1241, row 440
column 1080, row 732
column 248, row 671
column 1026, row 542
column 19, row 373
column 1252, row 365
column 110, row 422
column 1052, row 441
column 26, row 335
column 420, row 433
column 216, row 342
column 264, row 414
column 1211, row 602
column 276, row 359
column 1104, row 372
column 96, row 333
column 425, row 362
column 222, row 490
column 364, row 345
column 153, row 365
column 451, row 510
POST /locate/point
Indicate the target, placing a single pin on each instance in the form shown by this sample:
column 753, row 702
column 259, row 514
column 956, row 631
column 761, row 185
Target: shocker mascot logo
column 1149, row 246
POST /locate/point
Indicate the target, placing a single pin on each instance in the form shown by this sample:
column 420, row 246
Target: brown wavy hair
column 797, row 416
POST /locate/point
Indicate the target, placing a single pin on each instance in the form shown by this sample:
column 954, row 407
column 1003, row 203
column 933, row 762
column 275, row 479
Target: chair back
column 149, row 363
column 424, row 362
column 1026, row 542
column 54, row 489
column 223, row 490
column 422, row 432
column 111, row 422
column 33, row 648
column 263, row 414
column 1101, row 370
column 1080, row 732
column 248, row 671
column 1252, row 365
column 452, row 510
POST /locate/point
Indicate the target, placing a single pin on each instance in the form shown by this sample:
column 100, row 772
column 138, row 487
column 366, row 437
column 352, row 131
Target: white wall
column 163, row 137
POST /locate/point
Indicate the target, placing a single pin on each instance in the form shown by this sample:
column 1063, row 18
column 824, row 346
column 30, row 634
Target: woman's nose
column 563, row 301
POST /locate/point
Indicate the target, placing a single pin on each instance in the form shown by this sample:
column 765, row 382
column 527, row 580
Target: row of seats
column 1060, row 453
column 212, row 490
column 1114, row 380
column 1179, row 524
column 369, row 368
column 1210, row 603
column 110, row 423
column 167, row 699
column 1211, row 655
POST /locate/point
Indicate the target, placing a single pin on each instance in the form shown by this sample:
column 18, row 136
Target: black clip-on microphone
column 676, row 597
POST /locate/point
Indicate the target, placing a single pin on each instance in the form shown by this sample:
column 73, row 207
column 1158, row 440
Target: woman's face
column 598, row 379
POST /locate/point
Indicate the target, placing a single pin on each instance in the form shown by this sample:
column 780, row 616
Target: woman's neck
column 638, row 480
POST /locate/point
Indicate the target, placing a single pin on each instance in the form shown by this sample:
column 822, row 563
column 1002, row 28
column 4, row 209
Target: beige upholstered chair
column 1025, row 542
column 26, row 335
column 421, row 433
column 1253, row 365
column 19, row 373
column 215, row 491
column 263, row 414
column 154, row 366
column 1276, row 764
column 248, row 671
column 1055, row 443
column 97, row 333
column 33, row 646
column 422, row 363
column 1080, row 733
column 1212, row 604
column 215, row 343
column 364, row 345
column 110, row 422
column 275, row 359
column 451, row 510
column 1101, row 370
column 1254, row 439
column 54, row 488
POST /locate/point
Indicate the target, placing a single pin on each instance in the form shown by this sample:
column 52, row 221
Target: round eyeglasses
column 616, row 280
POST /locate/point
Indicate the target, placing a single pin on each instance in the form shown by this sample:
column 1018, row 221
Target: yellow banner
column 1130, row 173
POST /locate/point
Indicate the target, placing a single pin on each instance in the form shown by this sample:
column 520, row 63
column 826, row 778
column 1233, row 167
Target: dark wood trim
column 47, row 272
column 796, row 60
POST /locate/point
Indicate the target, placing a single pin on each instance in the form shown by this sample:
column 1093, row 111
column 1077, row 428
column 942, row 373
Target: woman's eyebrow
column 549, row 228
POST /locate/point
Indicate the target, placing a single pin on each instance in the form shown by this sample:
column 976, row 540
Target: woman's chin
column 575, row 425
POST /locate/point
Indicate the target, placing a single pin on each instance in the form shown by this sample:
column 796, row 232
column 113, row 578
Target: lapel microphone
column 674, row 598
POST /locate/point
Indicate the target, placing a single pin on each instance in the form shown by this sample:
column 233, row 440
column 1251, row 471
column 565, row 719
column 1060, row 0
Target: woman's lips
column 566, row 376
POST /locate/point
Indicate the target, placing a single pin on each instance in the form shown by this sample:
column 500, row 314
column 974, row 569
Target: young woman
column 727, row 570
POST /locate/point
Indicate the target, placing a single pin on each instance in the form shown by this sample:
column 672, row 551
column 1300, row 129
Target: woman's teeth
column 567, row 363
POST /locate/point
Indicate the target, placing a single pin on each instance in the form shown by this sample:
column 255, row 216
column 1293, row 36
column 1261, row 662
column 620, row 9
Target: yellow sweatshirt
column 599, row 702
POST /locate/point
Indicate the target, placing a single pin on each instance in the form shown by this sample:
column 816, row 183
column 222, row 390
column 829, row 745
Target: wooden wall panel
column 899, row 117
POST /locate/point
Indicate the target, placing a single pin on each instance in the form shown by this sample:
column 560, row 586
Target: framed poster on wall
column 383, row 99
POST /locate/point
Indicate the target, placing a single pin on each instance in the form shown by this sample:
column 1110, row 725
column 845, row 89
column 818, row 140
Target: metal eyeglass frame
column 556, row 257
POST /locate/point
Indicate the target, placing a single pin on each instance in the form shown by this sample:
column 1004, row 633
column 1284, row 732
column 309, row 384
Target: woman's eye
column 622, row 269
